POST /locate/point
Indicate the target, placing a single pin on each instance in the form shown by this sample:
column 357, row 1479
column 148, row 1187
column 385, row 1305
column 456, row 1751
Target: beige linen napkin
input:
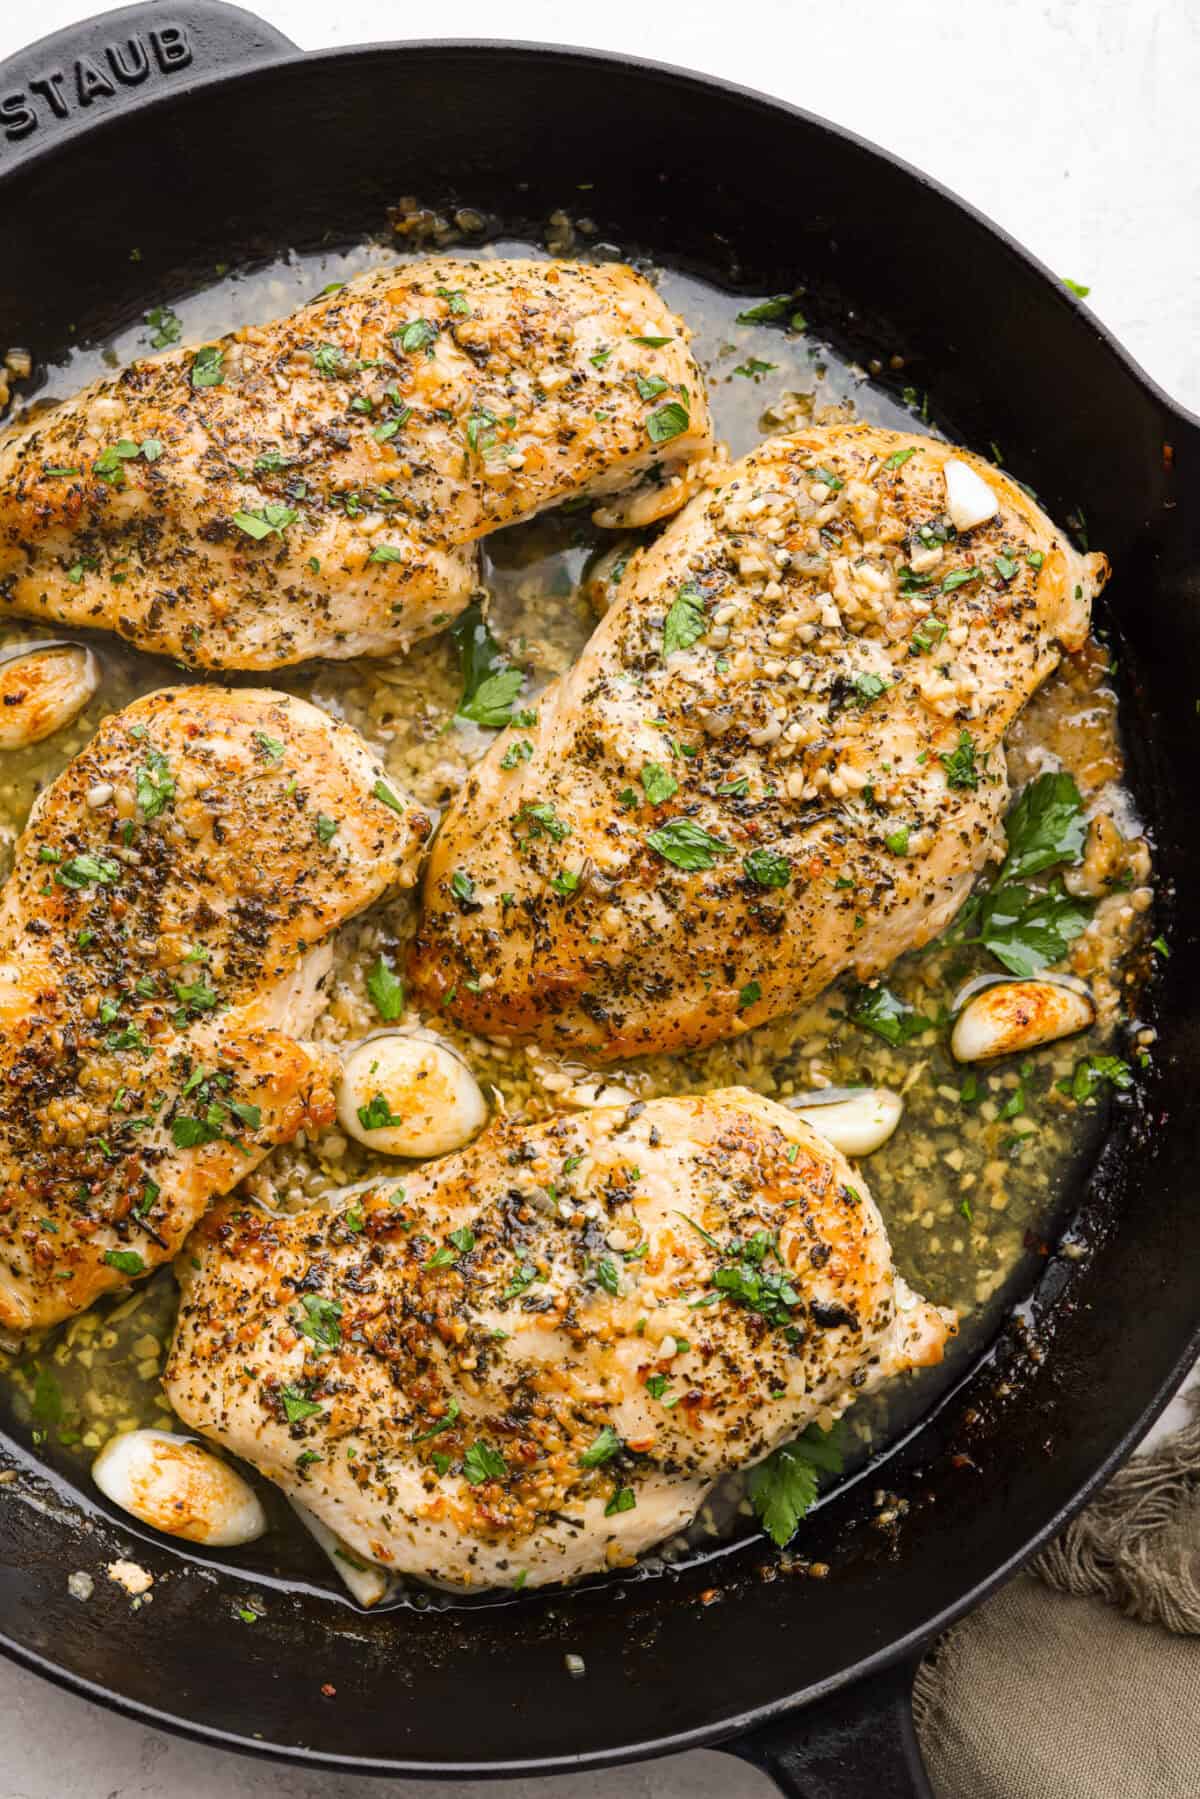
column 1081, row 1679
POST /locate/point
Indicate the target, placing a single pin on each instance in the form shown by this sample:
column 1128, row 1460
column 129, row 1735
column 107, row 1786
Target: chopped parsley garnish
column 960, row 765
column 85, row 869
column 297, row 1405
column 897, row 840
column 386, row 990
column 521, row 1281
column 418, row 334
column 607, row 1277
column 868, row 688
column 273, row 520
column 687, row 845
column 1076, row 287
column 325, row 827
column 959, row 577
column 125, row 1261
column 154, row 784
column 686, row 621
column 623, row 1500
column 166, row 327
column 765, row 310
column 754, row 367
column 650, row 386
column 878, row 1009
column 1093, row 1074
column 446, row 1422
column 784, row 1487
column 271, row 748
column 382, row 792
column 482, row 1463
column 604, row 1447
column 543, row 820
column 461, row 885
column 898, row 458
column 1045, row 827
column 377, row 1115
column 766, row 868
column 749, row 995
column 490, row 686
column 386, row 552
column 319, row 1320
column 667, row 421
column 208, row 366
column 657, row 783
column 1027, row 930
column 827, row 478
column 652, row 343
column 516, row 753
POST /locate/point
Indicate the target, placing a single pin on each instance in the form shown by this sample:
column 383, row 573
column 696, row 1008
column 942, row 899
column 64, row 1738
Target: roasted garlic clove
column 856, row 1120
column 365, row 1581
column 43, row 686
column 409, row 1093
column 1009, row 1016
column 969, row 499
column 177, row 1486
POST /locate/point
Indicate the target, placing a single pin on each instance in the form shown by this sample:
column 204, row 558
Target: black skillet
column 195, row 134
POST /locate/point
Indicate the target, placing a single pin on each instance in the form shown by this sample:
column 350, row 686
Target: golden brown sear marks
column 534, row 1356
column 778, row 758
column 316, row 486
column 164, row 941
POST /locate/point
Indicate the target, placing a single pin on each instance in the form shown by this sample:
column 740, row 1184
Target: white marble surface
column 1072, row 123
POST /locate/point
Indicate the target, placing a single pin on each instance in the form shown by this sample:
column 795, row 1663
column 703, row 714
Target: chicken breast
column 316, row 486
column 164, row 942
column 779, row 757
column 531, row 1359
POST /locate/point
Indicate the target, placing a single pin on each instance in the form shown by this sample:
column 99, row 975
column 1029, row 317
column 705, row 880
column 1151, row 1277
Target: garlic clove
column 43, row 687
column 969, row 499
column 364, row 1580
column 176, row 1485
column 409, row 1093
column 856, row 1120
column 1017, row 1015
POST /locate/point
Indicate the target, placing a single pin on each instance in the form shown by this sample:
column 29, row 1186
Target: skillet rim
column 905, row 1649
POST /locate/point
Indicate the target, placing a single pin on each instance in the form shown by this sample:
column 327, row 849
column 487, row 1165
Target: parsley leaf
column 297, row 1405
column 765, row 310
column 767, row 869
column 606, row 1445
column 319, row 1321
column 1045, row 827
column 687, row 845
column 784, row 1487
column 490, row 686
column 667, row 421
column 208, row 366
column 386, row 990
column 377, row 1115
column 960, row 765
column 878, row 1009
column 125, row 1261
column 686, row 621
column 657, row 783
column 1092, row 1074
column 482, row 1462
column 1027, row 930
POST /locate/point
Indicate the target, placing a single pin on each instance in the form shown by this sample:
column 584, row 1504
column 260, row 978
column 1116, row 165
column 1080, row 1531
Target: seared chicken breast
column 316, row 486
column 779, row 757
column 531, row 1359
column 164, row 941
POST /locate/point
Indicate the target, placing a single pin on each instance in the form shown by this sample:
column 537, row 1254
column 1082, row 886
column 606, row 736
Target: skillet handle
column 67, row 82
column 857, row 1744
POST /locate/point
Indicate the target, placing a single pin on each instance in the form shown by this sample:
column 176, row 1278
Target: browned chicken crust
column 315, row 486
column 778, row 758
column 531, row 1359
column 164, row 940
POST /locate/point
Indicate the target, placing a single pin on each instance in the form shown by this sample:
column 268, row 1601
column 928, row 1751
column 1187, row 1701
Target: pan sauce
column 970, row 1184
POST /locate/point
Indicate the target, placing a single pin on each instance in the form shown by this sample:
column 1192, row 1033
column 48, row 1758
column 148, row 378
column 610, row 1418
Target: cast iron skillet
column 194, row 134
